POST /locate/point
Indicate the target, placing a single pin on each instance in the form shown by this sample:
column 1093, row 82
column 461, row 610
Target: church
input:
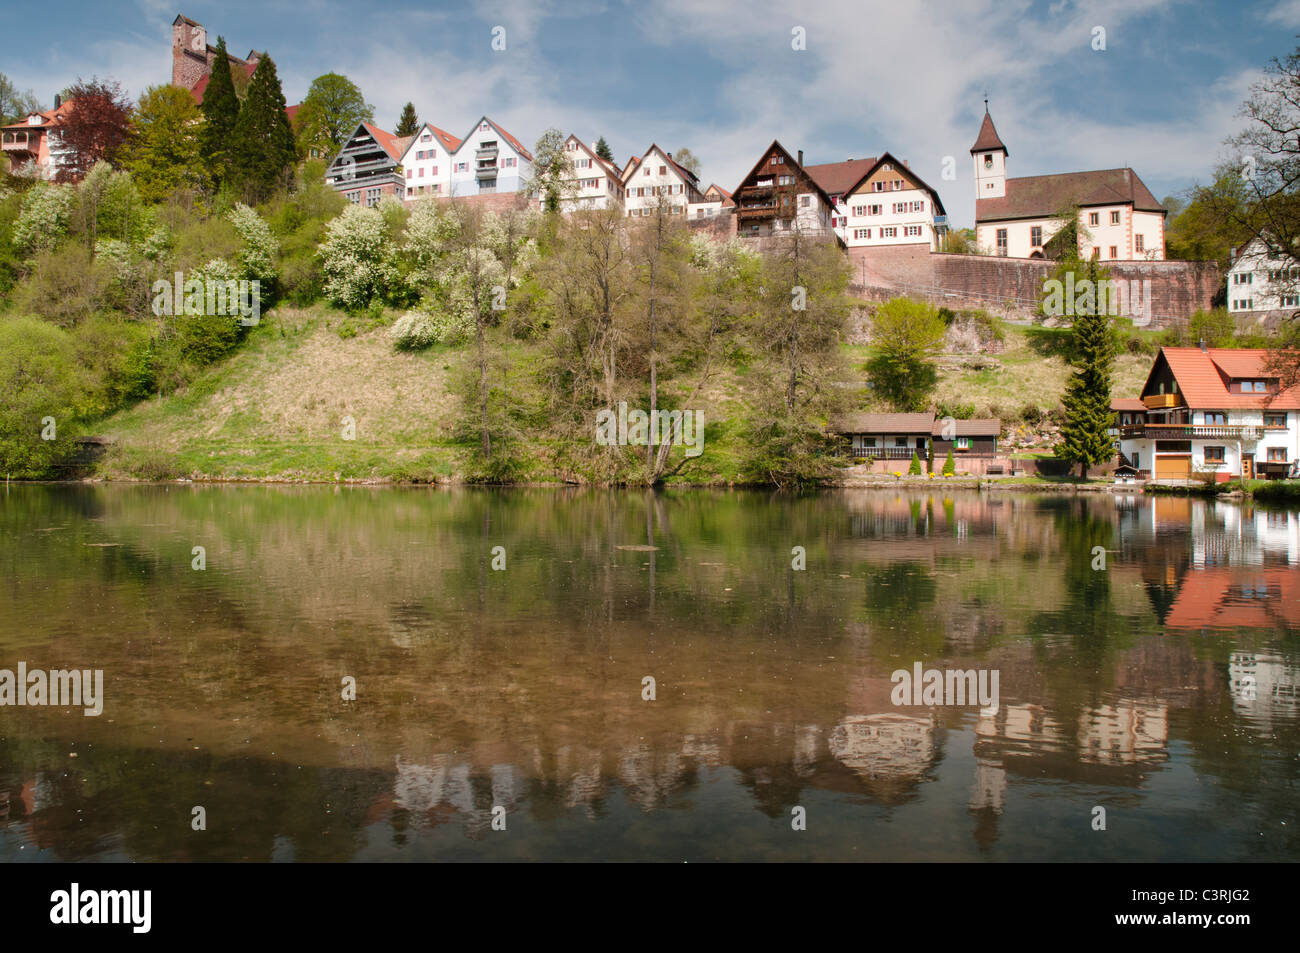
column 1119, row 218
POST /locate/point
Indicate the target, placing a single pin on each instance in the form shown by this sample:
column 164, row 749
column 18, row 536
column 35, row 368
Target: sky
column 722, row 77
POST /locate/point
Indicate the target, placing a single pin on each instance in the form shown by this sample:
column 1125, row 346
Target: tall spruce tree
column 408, row 123
column 1087, row 393
column 220, row 113
column 262, row 151
column 603, row 150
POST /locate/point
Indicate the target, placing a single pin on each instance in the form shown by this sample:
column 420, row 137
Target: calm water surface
column 1162, row 688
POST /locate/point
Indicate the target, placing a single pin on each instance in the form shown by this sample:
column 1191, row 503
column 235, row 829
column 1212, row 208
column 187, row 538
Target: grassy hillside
column 276, row 409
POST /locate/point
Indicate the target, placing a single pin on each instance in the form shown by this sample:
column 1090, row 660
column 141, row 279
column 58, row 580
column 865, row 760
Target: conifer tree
column 408, row 123
column 262, row 151
column 1088, row 416
column 915, row 468
column 603, row 150
column 220, row 112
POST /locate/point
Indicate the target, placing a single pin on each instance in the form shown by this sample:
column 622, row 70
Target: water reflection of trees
column 524, row 686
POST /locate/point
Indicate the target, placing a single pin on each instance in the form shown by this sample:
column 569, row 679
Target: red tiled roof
column 50, row 117
column 515, row 143
column 975, row 427
column 894, row 424
column 837, row 178
column 903, row 169
column 1043, row 196
column 1127, row 405
column 390, row 143
column 1203, row 378
column 988, row 138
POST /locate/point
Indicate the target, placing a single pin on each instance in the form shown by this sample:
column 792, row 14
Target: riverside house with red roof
column 592, row 182
column 1119, row 218
column 368, row 167
column 881, row 201
column 426, row 163
column 32, row 144
column 489, row 159
column 1212, row 410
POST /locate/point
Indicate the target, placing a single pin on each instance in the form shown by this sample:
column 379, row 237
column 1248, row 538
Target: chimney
column 801, row 158
column 58, row 100
column 1201, row 345
column 907, row 164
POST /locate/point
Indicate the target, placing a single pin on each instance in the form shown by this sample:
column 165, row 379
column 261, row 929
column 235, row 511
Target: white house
column 489, row 159
column 655, row 174
column 1260, row 281
column 1213, row 410
column 593, row 182
column 1119, row 218
column 426, row 163
column 716, row 198
column 881, row 201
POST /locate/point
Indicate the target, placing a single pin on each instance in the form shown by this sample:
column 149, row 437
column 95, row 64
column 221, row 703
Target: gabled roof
column 395, row 146
column 514, row 143
column 891, row 424
column 1203, row 378
column 1216, row 598
column 49, row 117
column 903, row 169
column 837, row 178
column 722, row 194
column 445, row 139
column 604, row 164
column 1043, row 196
column 790, row 161
column 988, row 139
column 686, row 175
column 975, row 427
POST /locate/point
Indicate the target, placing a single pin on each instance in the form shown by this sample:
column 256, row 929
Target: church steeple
column 990, row 158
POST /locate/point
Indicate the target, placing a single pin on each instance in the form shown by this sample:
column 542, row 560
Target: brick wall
column 1178, row 288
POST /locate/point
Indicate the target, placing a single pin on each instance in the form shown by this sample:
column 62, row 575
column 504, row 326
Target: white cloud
column 1284, row 12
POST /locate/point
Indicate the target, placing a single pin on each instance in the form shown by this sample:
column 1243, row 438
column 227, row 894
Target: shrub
column 949, row 466
column 256, row 259
column 40, row 378
column 915, row 468
column 44, row 218
column 66, row 286
column 357, row 258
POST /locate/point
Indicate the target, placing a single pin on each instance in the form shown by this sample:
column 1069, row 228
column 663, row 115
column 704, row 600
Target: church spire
column 988, row 139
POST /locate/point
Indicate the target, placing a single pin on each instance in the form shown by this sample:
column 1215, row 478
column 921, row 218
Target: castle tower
column 990, row 157
column 190, row 58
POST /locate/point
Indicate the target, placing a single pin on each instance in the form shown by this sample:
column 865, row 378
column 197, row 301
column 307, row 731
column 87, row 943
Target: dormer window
column 1254, row 387
column 988, row 160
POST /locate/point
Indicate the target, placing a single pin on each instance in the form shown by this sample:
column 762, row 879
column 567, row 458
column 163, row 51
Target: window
column 1036, row 236
column 874, row 209
column 900, row 441
column 1002, row 242
column 1215, row 419
column 862, row 233
column 1114, row 252
column 878, row 186
column 805, row 201
column 1277, row 454
column 1275, row 420
column 988, row 161
column 1254, row 387
column 1213, row 454
column 889, row 233
column 898, row 185
column 859, row 210
column 962, row 443
column 1094, row 218
column 354, row 197
column 868, row 441
column 913, row 231
column 887, row 167
column 409, row 173
column 462, row 166
column 1114, row 218
column 1139, row 243
column 663, row 170
column 426, row 137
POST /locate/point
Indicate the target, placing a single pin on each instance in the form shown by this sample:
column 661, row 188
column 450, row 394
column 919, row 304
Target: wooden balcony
column 1191, row 432
column 1162, row 401
column 755, row 212
column 19, row 142
column 889, row 453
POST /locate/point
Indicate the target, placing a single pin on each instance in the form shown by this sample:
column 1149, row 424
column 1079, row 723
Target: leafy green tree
column 603, row 150
column 164, row 154
column 1088, row 416
column 1212, row 221
column 408, row 123
column 907, row 335
column 14, row 105
column 44, row 388
column 1215, row 327
column 262, row 152
column 331, row 112
column 552, row 177
column 220, row 113
column 687, row 160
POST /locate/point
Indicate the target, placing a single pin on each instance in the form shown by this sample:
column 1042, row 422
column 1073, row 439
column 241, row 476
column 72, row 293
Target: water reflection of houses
column 1265, row 688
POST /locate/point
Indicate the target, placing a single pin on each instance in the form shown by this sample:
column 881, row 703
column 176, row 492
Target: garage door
column 1174, row 468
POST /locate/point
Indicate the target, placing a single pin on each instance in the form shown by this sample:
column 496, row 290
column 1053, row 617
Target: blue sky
column 720, row 76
